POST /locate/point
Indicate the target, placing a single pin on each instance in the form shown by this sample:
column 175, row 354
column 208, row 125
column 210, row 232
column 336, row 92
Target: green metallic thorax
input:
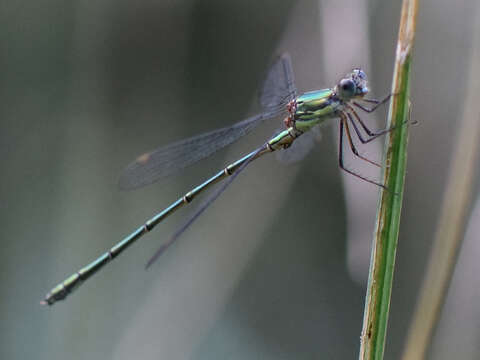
column 314, row 107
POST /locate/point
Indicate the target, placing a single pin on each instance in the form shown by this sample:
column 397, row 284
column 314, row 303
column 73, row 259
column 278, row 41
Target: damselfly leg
column 373, row 101
column 350, row 141
column 343, row 123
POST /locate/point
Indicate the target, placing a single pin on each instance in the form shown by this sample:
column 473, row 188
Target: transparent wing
column 279, row 85
column 278, row 89
column 300, row 147
column 171, row 159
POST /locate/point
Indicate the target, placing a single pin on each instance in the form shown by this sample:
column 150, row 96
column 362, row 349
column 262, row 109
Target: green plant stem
column 384, row 246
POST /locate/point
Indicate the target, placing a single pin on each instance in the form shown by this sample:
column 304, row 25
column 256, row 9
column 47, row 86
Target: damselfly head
column 353, row 85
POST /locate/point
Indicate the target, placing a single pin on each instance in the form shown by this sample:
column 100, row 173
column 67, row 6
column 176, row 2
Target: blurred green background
column 277, row 267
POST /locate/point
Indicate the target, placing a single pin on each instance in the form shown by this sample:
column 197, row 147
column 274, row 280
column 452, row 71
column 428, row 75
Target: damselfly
column 279, row 97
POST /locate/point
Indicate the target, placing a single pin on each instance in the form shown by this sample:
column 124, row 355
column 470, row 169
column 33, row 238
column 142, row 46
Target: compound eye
column 347, row 87
column 360, row 73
